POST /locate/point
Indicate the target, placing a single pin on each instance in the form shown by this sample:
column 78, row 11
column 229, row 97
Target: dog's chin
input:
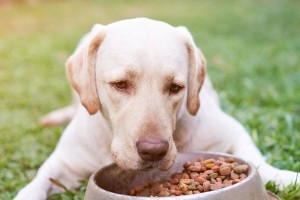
column 162, row 165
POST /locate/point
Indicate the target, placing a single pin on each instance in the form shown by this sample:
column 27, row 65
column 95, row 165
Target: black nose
column 152, row 150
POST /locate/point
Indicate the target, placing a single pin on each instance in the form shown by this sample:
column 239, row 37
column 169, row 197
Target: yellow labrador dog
column 141, row 83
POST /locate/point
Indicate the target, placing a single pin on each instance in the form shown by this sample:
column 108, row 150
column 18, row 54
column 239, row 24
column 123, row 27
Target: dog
column 141, row 84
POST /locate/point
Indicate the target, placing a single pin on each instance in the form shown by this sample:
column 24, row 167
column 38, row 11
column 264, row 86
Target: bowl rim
column 251, row 174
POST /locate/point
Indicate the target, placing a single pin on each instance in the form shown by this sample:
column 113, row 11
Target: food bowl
column 111, row 182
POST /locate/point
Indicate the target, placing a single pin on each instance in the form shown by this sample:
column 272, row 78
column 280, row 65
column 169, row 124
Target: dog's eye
column 120, row 85
column 174, row 88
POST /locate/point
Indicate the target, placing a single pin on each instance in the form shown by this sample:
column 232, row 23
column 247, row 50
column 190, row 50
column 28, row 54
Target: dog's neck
column 183, row 131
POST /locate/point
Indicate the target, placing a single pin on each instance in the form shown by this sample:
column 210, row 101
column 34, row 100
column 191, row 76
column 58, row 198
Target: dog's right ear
column 196, row 71
column 80, row 69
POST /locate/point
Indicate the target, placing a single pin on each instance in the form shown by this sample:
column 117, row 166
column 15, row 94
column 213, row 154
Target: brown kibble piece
column 186, row 181
column 224, row 171
column 194, row 168
column 188, row 192
column 166, row 185
column 242, row 176
column 164, row 194
column 213, row 175
column 132, row 192
column 200, row 180
column 209, row 171
column 174, row 181
column 227, row 183
column 200, row 188
column 176, row 175
column 203, row 168
column 235, row 181
column 216, row 168
column 194, row 175
column 187, row 164
column 229, row 160
column 208, row 161
column 206, row 186
column 240, row 169
column 234, row 175
column 144, row 193
column 216, row 186
column 185, row 176
column 192, row 187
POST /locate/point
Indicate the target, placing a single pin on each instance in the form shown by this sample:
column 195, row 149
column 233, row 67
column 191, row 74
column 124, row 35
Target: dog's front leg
column 83, row 148
column 244, row 147
column 41, row 186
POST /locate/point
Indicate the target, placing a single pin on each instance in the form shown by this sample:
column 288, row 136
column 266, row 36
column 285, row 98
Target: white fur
column 152, row 49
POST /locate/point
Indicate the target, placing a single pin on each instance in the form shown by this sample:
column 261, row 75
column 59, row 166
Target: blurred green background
column 252, row 48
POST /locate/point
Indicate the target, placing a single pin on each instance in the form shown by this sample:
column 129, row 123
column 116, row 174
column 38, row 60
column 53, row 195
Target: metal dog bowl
column 111, row 182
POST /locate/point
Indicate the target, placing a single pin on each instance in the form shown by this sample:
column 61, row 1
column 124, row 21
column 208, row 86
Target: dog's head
column 140, row 74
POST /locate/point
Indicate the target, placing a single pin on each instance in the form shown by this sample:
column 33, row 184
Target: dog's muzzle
column 152, row 150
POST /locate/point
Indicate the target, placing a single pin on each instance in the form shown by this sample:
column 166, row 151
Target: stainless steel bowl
column 111, row 182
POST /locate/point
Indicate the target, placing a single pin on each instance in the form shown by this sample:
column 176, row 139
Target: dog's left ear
column 80, row 69
column 196, row 71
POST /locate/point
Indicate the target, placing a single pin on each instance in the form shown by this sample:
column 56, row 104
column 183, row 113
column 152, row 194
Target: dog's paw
column 281, row 177
column 32, row 195
column 285, row 177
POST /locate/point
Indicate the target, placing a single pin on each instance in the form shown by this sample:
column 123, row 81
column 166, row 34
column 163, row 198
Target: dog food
column 196, row 177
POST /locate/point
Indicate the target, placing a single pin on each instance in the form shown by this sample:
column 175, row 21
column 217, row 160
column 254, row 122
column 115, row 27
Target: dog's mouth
column 163, row 165
column 131, row 162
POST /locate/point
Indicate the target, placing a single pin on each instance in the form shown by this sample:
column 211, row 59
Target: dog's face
column 138, row 73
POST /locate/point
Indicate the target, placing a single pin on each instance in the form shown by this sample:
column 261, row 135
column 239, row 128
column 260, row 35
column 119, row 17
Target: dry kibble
column 196, row 168
column 178, row 192
column 224, row 171
column 200, row 188
column 203, row 168
column 167, row 185
column 235, row 181
column 186, row 181
column 229, row 160
column 209, row 161
column 192, row 187
column 216, row 168
column 227, row 183
column 188, row 192
column 164, row 194
column 216, row 186
column 200, row 180
column 174, row 181
column 243, row 176
column 213, row 181
column 132, row 192
column 234, row 175
column 240, row 169
column 213, row 175
column 185, row 176
column 209, row 172
column 206, row 186
column 187, row 164
column 196, row 177
column 176, row 175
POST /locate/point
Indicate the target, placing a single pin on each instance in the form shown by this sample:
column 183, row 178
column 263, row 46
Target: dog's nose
column 152, row 150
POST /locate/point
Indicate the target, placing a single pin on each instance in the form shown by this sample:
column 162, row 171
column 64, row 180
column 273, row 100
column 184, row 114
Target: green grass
column 252, row 49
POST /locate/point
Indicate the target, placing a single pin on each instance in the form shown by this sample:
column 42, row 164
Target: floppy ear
column 196, row 72
column 80, row 69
